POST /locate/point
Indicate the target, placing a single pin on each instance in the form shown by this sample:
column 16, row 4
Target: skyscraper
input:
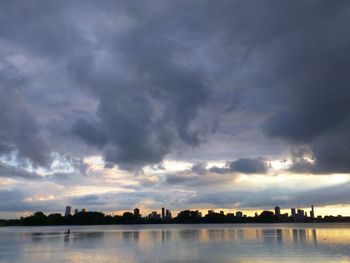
column 163, row 213
column 312, row 212
column 68, row 210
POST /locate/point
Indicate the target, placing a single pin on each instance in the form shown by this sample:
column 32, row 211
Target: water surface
column 178, row 243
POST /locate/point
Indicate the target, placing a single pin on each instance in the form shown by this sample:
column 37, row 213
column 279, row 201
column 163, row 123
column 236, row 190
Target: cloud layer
column 239, row 82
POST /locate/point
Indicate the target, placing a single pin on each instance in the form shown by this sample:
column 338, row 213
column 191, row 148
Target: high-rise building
column 163, row 213
column 210, row 212
column 292, row 211
column 277, row 211
column 300, row 215
column 68, row 211
column 76, row 211
column 222, row 213
column 137, row 212
column 312, row 212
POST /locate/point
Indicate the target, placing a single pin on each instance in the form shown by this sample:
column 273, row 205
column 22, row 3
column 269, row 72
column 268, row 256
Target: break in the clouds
column 239, row 83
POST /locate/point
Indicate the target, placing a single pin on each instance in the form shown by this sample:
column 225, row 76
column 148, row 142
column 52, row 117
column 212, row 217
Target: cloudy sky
column 235, row 105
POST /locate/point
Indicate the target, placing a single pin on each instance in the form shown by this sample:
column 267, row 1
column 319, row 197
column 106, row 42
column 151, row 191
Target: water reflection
column 199, row 243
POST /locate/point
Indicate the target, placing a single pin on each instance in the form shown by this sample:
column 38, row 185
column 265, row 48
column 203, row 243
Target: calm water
column 177, row 243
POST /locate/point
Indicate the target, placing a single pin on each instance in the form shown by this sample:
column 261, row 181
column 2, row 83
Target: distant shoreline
column 308, row 223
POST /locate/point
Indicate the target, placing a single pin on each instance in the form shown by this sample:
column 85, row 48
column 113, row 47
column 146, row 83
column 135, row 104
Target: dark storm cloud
column 248, row 166
column 162, row 75
column 197, row 181
column 142, row 117
column 285, row 197
column 313, row 74
column 39, row 27
column 199, row 175
column 11, row 171
column 243, row 165
column 19, row 131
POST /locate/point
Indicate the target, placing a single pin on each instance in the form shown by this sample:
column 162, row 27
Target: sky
column 186, row 104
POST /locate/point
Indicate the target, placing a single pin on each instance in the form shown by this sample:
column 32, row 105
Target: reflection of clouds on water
column 199, row 243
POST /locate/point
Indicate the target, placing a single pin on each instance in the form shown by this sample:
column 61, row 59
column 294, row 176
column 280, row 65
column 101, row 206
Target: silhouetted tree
column 267, row 217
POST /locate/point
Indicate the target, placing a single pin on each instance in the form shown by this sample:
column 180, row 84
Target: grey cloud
column 199, row 168
column 40, row 27
column 128, row 200
column 142, row 117
column 338, row 194
column 11, row 171
column 271, row 197
column 88, row 200
column 249, row 166
column 199, row 180
column 314, row 81
column 163, row 75
column 244, row 165
column 14, row 200
column 20, row 132
column 199, row 175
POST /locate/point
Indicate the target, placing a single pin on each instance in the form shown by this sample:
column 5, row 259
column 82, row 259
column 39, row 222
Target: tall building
column 163, row 213
column 277, row 211
column 300, row 213
column 68, row 211
column 137, row 212
column 292, row 211
column 76, row 211
column 299, row 217
column 312, row 212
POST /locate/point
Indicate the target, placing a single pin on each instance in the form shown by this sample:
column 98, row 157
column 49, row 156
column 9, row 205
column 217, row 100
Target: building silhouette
column 68, row 211
column 312, row 212
column 163, row 213
column 137, row 213
column 292, row 212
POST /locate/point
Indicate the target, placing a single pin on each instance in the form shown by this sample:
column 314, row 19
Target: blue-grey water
column 177, row 243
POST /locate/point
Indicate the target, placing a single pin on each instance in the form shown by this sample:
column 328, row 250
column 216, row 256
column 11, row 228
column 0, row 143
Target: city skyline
column 197, row 104
column 165, row 213
column 165, row 216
